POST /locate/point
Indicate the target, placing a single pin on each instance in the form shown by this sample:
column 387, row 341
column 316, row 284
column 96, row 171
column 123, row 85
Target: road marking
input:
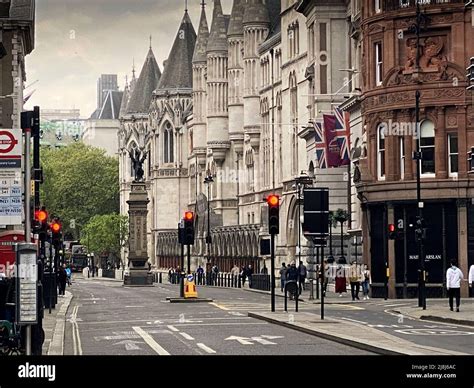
column 263, row 339
column 134, row 307
column 241, row 340
column 434, row 332
column 172, row 328
column 225, row 324
column 354, row 320
column 76, row 338
column 206, row 348
column 150, row 341
column 237, row 314
column 187, row 336
column 396, row 305
column 219, row 306
column 130, row 345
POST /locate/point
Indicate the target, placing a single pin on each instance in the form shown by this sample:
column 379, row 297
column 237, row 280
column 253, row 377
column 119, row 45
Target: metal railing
column 393, row 5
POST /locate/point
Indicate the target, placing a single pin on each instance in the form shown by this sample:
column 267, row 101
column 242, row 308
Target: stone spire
column 147, row 82
column 202, row 39
column 256, row 13
column 236, row 27
column 178, row 74
column 218, row 35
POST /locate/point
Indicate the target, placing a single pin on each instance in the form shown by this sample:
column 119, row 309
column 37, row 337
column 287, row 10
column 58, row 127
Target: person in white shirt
column 471, row 276
column 454, row 277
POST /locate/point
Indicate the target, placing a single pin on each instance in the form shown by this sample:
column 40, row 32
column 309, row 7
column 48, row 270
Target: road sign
column 190, row 278
column 190, row 287
column 11, row 146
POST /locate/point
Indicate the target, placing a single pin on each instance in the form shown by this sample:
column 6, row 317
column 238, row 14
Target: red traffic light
column 188, row 216
column 41, row 215
column 56, row 227
column 273, row 200
column 391, row 228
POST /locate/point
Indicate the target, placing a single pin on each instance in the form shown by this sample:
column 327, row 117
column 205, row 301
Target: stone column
column 138, row 274
column 440, row 146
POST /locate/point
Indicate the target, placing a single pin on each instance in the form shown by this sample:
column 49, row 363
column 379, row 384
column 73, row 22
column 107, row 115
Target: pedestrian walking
column 354, row 279
column 302, row 272
column 62, row 279
column 471, row 276
column 243, row 275
column 283, row 270
column 249, row 274
column 200, row 275
column 341, row 280
column 454, row 276
column 367, row 281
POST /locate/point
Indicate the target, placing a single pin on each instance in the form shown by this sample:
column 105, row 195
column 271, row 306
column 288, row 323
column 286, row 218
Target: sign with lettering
column 27, row 277
column 11, row 207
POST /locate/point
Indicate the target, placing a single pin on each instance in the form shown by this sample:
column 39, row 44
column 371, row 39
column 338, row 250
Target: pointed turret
column 145, row 85
column 236, row 26
column 178, row 73
column 202, row 39
column 256, row 13
column 125, row 99
column 218, row 36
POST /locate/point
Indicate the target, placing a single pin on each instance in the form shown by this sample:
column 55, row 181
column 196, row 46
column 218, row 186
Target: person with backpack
column 454, row 277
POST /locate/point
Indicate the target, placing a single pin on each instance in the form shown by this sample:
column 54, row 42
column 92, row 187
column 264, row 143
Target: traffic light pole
column 322, row 269
column 272, row 270
column 27, row 191
column 189, row 259
column 181, row 279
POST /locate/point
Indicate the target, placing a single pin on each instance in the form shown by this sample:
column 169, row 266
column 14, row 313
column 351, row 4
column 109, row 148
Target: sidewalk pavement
column 438, row 310
column 54, row 325
column 348, row 333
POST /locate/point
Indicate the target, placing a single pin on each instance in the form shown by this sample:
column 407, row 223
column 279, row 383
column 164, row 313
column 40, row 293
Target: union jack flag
column 340, row 135
column 320, row 145
column 343, row 135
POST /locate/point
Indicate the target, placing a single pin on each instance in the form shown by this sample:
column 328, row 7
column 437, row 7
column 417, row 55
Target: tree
column 79, row 182
column 106, row 235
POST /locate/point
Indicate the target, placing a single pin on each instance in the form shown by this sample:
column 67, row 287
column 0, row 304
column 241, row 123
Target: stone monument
column 138, row 273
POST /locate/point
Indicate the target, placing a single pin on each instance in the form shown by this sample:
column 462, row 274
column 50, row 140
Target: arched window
column 168, row 143
column 381, row 152
column 427, row 146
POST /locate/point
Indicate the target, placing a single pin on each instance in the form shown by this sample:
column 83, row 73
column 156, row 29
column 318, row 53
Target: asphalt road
column 105, row 318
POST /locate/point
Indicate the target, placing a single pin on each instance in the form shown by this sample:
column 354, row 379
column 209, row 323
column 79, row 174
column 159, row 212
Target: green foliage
column 340, row 215
column 79, row 182
column 106, row 234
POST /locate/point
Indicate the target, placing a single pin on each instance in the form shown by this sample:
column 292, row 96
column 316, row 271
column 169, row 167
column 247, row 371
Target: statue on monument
column 138, row 158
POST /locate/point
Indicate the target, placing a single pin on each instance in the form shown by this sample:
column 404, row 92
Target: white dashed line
column 187, row 336
column 207, row 349
column 172, row 328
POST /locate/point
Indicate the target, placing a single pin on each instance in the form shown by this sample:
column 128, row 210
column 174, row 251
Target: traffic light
column 189, row 228
column 392, row 232
column 40, row 225
column 273, row 202
column 56, row 229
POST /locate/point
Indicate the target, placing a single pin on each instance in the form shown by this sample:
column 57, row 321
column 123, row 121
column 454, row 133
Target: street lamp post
column 421, row 19
column 207, row 181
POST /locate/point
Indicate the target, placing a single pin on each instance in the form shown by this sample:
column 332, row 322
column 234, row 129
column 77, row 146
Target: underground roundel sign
column 7, row 141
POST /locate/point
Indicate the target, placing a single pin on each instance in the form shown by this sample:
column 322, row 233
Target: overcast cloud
column 77, row 40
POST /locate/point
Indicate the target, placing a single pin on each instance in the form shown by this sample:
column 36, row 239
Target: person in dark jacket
column 62, row 279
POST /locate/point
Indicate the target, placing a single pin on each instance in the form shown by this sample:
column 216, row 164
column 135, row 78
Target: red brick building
column 387, row 184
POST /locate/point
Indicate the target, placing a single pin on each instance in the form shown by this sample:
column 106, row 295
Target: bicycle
column 10, row 339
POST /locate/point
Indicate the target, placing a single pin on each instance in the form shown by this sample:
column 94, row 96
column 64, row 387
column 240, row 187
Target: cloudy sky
column 77, row 40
